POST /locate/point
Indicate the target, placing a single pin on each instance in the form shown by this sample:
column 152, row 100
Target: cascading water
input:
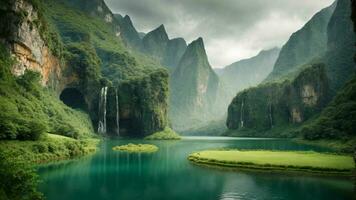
column 102, row 111
column 270, row 115
column 117, row 114
column 242, row 114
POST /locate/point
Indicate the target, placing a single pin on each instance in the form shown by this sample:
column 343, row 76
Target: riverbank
column 343, row 146
column 49, row 148
column 288, row 161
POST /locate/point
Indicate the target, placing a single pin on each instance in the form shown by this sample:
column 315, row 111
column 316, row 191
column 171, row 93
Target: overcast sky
column 231, row 29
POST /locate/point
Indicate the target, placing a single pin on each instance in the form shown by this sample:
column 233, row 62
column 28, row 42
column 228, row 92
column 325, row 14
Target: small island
column 166, row 134
column 295, row 161
column 136, row 148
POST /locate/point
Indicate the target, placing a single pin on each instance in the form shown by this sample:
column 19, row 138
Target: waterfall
column 117, row 114
column 242, row 114
column 102, row 110
column 270, row 115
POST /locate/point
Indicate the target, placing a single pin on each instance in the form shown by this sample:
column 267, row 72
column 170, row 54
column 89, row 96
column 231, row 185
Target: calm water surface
column 167, row 174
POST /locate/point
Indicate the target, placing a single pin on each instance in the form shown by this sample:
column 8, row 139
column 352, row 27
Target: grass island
column 136, row 148
column 166, row 134
column 297, row 161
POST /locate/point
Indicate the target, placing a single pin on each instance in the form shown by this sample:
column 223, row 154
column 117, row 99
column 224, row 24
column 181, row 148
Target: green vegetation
column 166, row 134
column 18, row 179
column 337, row 121
column 29, row 110
column 48, row 148
column 136, row 148
column 76, row 26
column 304, row 45
column 270, row 108
column 17, row 158
column 276, row 161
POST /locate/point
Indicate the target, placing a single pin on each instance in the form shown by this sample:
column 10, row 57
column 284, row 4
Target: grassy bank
column 166, row 134
column 276, row 161
column 49, row 148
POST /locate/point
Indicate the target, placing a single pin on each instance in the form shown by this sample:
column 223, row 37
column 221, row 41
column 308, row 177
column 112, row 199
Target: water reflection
column 167, row 174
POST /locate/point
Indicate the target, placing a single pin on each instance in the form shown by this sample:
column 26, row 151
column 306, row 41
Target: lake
column 168, row 174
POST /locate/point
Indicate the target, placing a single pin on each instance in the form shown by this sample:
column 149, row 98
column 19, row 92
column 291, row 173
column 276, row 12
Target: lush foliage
column 18, row 179
column 29, row 110
column 338, row 120
column 276, row 160
column 270, row 108
column 137, row 148
column 166, row 134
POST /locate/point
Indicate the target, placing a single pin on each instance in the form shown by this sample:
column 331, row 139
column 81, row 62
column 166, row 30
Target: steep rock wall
column 22, row 31
column 280, row 104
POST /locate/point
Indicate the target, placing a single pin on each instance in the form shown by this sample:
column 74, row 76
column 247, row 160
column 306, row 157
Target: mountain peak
column 159, row 32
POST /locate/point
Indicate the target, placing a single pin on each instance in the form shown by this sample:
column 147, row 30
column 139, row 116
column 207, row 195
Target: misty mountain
column 194, row 88
column 305, row 44
column 249, row 72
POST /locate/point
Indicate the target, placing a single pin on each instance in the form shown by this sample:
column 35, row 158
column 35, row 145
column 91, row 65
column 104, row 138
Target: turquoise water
column 168, row 175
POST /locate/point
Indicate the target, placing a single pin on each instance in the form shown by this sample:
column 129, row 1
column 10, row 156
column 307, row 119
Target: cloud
column 232, row 29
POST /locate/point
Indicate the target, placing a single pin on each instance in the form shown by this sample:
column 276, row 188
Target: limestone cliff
column 23, row 32
column 195, row 88
column 274, row 105
column 76, row 53
column 305, row 44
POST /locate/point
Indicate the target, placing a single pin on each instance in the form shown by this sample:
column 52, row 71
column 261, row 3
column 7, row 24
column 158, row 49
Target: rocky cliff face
column 341, row 46
column 21, row 30
column 249, row 72
column 143, row 105
column 174, row 51
column 129, row 32
column 280, row 104
column 168, row 51
column 304, row 45
column 194, row 87
column 339, row 67
column 155, row 42
column 143, row 91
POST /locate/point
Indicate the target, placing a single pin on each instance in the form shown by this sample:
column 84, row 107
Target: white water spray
column 270, row 115
column 117, row 114
column 242, row 114
column 102, row 111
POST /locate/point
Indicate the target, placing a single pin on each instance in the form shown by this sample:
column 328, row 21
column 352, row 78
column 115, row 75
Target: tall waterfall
column 102, row 110
column 242, row 114
column 117, row 114
column 270, row 115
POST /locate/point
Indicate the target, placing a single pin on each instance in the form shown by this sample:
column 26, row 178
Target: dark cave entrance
column 73, row 98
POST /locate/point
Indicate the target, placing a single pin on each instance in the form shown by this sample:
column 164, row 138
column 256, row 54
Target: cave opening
column 73, row 98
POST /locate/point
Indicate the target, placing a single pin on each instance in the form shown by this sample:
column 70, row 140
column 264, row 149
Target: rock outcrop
column 21, row 30
column 155, row 42
column 91, row 55
column 280, row 104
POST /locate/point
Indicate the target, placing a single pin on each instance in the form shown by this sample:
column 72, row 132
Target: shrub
column 31, row 131
column 18, row 180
